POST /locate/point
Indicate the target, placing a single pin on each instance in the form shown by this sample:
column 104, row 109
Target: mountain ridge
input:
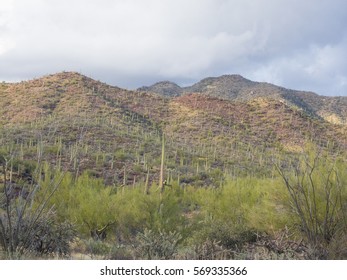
column 125, row 126
column 225, row 87
column 236, row 87
column 95, row 154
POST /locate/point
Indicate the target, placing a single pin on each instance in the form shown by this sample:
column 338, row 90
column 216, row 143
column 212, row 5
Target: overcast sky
column 299, row 44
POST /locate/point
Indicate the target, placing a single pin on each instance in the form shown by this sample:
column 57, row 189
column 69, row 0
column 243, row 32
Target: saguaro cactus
column 161, row 176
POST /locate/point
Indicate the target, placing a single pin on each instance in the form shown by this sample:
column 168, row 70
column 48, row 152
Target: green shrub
column 235, row 213
column 207, row 250
column 317, row 187
column 157, row 244
column 37, row 236
column 97, row 249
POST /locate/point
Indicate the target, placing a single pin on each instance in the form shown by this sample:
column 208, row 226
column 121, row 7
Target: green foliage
column 207, row 250
column 85, row 201
column 206, row 202
column 121, row 252
column 97, row 249
column 238, row 211
column 91, row 205
column 96, row 155
column 136, row 211
column 317, row 186
column 28, row 225
column 41, row 237
column 157, row 244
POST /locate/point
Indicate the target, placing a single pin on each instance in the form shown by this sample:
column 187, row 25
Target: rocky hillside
column 237, row 88
column 164, row 88
column 227, row 124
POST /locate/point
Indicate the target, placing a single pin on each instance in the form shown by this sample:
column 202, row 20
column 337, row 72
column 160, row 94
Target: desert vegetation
column 90, row 171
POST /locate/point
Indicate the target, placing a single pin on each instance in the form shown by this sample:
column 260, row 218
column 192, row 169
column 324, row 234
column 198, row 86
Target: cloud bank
column 296, row 44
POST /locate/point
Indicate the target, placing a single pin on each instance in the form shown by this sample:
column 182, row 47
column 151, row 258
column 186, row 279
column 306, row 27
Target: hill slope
column 237, row 88
column 227, row 124
column 164, row 88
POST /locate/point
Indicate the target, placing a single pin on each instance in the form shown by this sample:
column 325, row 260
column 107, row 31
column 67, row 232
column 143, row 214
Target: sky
column 298, row 44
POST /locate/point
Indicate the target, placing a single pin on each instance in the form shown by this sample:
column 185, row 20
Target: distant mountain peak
column 65, row 75
column 165, row 88
column 230, row 77
column 234, row 87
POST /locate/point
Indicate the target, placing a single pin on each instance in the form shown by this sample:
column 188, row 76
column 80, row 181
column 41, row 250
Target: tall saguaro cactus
column 161, row 176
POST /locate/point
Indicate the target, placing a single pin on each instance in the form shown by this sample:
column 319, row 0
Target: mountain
column 164, row 88
column 226, row 124
column 237, row 88
column 80, row 155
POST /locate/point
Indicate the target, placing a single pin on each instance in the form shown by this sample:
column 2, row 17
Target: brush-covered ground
column 80, row 171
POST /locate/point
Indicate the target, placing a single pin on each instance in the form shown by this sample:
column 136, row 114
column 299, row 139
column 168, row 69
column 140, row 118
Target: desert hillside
column 218, row 170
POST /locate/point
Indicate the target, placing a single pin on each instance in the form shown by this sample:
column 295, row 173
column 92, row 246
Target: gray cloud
column 294, row 43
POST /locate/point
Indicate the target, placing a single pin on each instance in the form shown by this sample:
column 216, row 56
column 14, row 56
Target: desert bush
column 87, row 202
column 317, row 186
column 337, row 249
column 45, row 236
column 97, row 249
column 238, row 212
column 28, row 225
column 207, row 250
column 136, row 211
column 121, row 252
column 157, row 244
column 225, row 211
column 25, row 229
